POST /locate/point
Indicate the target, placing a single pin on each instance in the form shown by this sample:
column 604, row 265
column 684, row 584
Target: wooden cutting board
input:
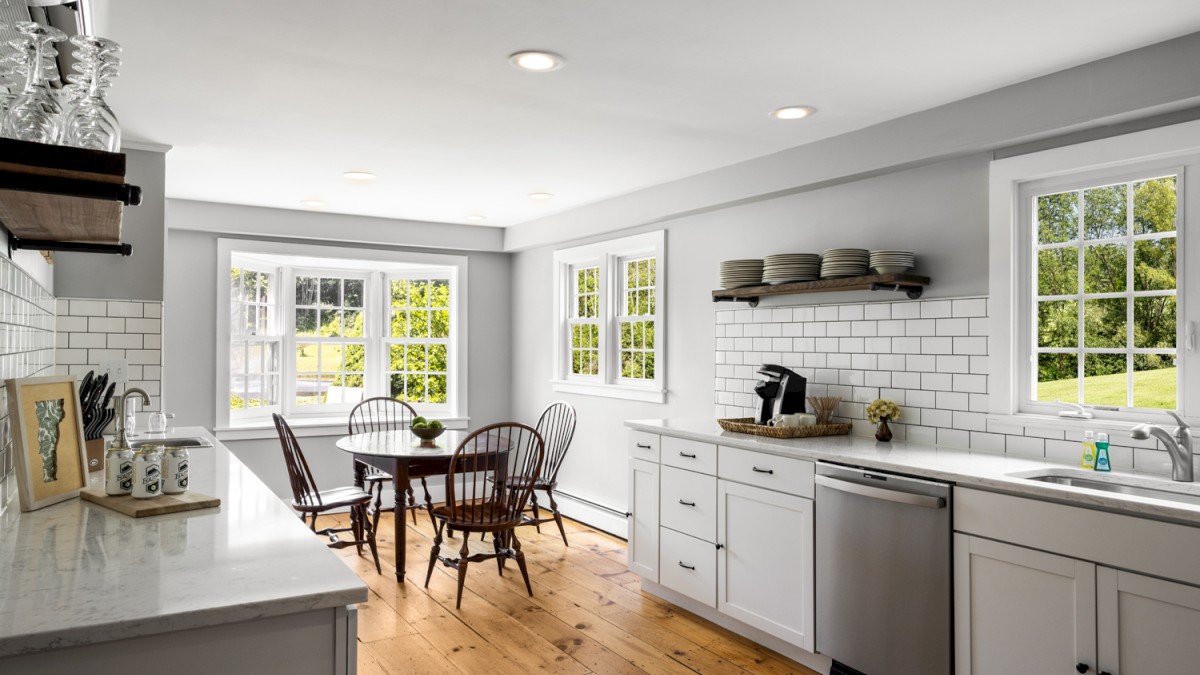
column 155, row 506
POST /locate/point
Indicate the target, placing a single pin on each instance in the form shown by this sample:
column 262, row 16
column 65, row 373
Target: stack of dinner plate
column 892, row 262
column 785, row 267
column 735, row 273
column 844, row 262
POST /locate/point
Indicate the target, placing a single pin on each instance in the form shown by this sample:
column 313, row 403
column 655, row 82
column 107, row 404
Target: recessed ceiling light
column 541, row 196
column 359, row 175
column 537, row 61
column 475, row 217
column 793, row 112
column 312, row 203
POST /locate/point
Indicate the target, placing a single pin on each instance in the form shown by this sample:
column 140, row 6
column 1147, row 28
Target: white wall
column 939, row 211
column 189, row 338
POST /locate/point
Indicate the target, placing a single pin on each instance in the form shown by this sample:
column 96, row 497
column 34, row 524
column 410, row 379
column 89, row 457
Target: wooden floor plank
column 588, row 613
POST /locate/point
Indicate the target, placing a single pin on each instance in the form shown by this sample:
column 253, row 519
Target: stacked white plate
column 892, row 262
column 785, row 267
column 735, row 273
column 844, row 262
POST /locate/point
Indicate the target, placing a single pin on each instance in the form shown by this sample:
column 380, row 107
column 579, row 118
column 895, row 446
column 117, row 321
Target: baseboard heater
column 602, row 507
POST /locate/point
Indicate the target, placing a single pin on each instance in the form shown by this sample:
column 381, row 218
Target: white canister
column 175, row 471
column 147, row 473
column 118, row 471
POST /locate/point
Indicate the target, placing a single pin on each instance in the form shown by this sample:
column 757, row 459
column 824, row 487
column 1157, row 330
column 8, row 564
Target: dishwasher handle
column 924, row 501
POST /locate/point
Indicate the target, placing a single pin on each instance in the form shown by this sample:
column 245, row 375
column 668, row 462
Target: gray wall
column 939, row 211
column 189, row 341
column 113, row 277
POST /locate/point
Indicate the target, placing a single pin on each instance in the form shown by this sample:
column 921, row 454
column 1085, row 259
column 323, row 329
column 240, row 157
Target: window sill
column 627, row 392
column 1020, row 421
column 307, row 428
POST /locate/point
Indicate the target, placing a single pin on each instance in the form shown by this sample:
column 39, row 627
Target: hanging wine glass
column 91, row 123
column 35, row 115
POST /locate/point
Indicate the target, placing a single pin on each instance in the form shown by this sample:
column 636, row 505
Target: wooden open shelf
column 910, row 284
column 54, row 193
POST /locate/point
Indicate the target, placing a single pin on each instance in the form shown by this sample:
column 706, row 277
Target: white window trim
column 1163, row 148
column 608, row 255
column 457, row 415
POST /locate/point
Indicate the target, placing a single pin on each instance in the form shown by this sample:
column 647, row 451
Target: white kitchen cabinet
column 765, row 560
column 689, row 503
column 1018, row 610
column 643, row 521
column 1146, row 626
column 689, row 566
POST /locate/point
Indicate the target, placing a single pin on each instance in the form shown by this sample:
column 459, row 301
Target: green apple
column 436, row 425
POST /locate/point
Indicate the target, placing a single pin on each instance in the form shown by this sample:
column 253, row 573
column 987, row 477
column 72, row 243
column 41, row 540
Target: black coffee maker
column 781, row 391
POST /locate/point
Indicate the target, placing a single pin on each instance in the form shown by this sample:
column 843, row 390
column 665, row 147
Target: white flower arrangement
column 881, row 408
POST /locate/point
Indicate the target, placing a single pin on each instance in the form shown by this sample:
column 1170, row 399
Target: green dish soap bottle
column 1102, row 453
column 1088, row 461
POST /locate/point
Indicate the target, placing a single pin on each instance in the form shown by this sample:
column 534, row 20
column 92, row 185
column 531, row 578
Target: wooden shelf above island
column 62, row 198
column 910, row 284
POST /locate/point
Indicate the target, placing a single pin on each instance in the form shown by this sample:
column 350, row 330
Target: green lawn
column 1151, row 389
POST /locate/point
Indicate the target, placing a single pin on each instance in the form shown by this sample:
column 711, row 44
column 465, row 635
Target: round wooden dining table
column 393, row 452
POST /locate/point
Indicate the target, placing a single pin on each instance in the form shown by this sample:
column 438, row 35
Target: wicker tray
column 746, row 425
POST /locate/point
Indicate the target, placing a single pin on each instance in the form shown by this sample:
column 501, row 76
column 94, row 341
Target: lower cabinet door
column 1146, row 626
column 643, row 521
column 689, row 566
column 765, row 560
column 1021, row 611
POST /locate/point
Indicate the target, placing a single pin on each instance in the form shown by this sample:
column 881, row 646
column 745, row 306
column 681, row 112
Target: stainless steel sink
column 180, row 442
column 1137, row 487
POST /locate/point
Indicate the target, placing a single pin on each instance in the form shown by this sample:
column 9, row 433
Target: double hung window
column 312, row 331
column 610, row 334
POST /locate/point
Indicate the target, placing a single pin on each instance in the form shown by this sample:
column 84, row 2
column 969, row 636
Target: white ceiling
column 268, row 102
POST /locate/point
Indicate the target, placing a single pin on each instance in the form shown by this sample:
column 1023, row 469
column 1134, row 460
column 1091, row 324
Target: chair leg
column 378, row 505
column 437, row 548
column 557, row 516
column 499, row 554
column 520, row 556
column 371, row 539
column 412, row 502
column 537, row 525
column 462, row 570
column 428, row 498
column 356, row 527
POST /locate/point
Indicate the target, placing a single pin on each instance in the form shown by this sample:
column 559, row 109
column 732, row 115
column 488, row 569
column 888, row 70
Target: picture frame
column 50, row 461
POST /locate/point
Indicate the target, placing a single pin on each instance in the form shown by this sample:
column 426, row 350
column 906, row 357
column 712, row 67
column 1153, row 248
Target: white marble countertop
column 986, row 471
column 78, row 573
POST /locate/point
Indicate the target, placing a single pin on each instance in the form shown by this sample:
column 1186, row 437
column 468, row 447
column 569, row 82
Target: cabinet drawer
column 689, row 502
column 689, row 566
column 785, row 474
column 690, row 455
column 643, row 445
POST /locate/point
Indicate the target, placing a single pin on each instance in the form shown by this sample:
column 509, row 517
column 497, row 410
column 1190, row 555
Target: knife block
column 95, row 454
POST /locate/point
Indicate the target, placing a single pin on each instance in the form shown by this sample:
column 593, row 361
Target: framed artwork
column 48, row 448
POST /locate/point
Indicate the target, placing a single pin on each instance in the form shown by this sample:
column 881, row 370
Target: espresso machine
column 781, row 391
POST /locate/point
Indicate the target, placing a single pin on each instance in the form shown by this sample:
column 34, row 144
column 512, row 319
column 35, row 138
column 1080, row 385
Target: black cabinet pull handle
column 684, row 454
column 720, row 546
column 1082, row 667
column 687, row 503
column 758, row 470
column 644, row 446
column 686, row 567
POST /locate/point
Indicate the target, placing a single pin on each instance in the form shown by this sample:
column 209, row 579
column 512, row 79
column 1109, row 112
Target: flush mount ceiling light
column 540, row 196
column 312, row 203
column 536, row 61
column 793, row 112
column 475, row 218
column 359, row 175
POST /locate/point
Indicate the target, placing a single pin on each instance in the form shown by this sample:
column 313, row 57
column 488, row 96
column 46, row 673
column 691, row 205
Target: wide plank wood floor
column 587, row 614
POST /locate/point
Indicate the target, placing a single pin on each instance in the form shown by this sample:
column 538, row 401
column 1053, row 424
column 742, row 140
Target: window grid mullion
column 1079, row 368
column 1129, row 294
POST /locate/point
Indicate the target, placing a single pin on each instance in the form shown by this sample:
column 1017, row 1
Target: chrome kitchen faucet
column 1179, row 446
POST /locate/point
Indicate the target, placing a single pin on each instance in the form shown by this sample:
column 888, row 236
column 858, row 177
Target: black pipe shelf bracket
column 17, row 243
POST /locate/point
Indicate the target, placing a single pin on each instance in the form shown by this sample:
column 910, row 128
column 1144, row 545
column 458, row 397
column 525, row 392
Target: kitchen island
column 244, row 587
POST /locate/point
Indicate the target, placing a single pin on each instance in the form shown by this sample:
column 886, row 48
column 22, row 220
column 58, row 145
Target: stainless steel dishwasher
column 883, row 572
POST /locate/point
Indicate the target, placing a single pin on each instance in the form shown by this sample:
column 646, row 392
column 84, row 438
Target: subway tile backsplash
column 26, row 350
column 91, row 331
column 929, row 356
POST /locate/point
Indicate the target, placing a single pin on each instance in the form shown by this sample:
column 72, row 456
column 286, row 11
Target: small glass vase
column 884, row 433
